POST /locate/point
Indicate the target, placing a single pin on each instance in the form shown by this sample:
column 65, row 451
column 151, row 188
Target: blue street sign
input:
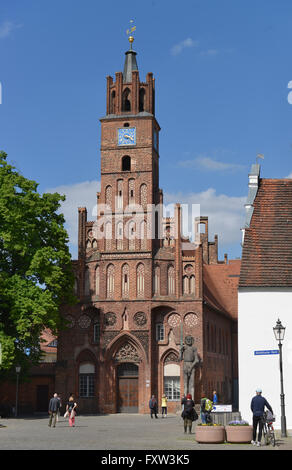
column 266, row 352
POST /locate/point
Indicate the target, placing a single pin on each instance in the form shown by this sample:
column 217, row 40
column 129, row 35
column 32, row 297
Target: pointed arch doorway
column 128, row 390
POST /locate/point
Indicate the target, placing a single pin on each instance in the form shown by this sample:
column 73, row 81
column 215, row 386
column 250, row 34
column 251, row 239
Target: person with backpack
column 189, row 413
column 206, row 408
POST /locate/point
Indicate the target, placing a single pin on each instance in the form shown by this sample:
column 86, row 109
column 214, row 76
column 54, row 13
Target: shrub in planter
column 238, row 431
column 210, row 433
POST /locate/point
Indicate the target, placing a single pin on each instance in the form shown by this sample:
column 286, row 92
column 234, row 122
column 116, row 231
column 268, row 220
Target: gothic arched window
column 143, row 235
column 126, row 100
column 108, row 196
column 125, row 280
column 126, row 163
column 131, row 234
column 97, row 275
column 108, row 235
column 110, row 280
column 113, row 103
column 156, row 281
column 120, row 194
column 143, row 195
column 120, row 235
column 140, row 280
column 142, row 100
column 171, row 280
column 192, row 285
column 131, row 185
column 185, row 285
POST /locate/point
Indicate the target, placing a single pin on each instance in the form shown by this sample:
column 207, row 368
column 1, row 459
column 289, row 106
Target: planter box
column 239, row 434
column 210, row 434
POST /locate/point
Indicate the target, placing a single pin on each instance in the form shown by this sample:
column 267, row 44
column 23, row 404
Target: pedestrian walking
column 183, row 400
column 54, row 406
column 206, row 408
column 164, row 405
column 153, row 406
column 189, row 413
column 215, row 398
column 58, row 412
column 257, row 406
column 71, row 410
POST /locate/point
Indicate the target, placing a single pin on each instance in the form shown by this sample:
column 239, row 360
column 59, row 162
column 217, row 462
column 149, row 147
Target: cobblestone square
column 129, row 432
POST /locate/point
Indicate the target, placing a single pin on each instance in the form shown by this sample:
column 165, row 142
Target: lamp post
column 279, row 332
column 17, row 370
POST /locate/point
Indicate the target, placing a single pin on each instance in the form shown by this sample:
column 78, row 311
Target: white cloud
column 208, row 163
column 289, row 176
column 178, row 48
column 210, row 52
column 77, row 195
column 7, row 27
column 225, row 213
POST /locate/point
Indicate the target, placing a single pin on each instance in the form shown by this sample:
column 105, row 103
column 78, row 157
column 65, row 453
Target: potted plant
column 210, row 433
column 238, row 431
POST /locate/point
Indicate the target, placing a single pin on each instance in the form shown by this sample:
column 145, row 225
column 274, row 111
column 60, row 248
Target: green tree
column 36, row 275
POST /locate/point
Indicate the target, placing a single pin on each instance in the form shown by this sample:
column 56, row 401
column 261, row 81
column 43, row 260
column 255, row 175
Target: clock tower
column 129, row 161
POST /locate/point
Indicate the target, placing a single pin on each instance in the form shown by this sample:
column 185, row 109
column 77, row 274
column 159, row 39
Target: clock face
column 127, row 136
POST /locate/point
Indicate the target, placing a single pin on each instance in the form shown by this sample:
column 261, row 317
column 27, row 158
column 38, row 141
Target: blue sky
column 222, row 70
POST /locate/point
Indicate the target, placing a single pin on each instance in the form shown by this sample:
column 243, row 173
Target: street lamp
column 279, row 332
column 17, row 370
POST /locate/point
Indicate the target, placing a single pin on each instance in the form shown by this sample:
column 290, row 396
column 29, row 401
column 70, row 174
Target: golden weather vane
column 130, row 31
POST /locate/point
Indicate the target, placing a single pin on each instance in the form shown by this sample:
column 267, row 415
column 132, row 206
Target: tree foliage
column 35, row 266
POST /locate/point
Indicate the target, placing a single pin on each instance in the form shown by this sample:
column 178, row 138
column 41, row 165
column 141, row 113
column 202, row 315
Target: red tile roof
column 221, row 285
column 267, row 249
column 47, row 337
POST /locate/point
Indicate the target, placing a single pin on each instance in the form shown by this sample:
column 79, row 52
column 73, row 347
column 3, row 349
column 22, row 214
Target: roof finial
column 129, row 31
column 260, row 155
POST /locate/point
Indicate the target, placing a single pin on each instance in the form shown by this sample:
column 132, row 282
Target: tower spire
column 130, row 60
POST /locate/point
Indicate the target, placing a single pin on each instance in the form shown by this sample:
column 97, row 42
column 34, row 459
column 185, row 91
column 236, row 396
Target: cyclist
column 258, row 404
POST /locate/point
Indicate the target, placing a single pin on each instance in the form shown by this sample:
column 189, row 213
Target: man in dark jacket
column 153, row 406
column 54, row 407
column 189, row 414
column 258, row 404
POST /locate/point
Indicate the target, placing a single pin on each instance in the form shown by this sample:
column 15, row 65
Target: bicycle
column 268, row 428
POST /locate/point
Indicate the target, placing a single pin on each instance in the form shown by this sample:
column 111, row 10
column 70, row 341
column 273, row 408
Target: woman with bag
column 189, row 413
column 70, row 410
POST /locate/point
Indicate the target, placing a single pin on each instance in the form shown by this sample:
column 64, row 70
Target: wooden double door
column 128, row 375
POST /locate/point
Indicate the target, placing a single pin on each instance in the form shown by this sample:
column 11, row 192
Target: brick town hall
column 140, row 295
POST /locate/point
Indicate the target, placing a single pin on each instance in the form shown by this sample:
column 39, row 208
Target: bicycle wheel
column 266, row 435
column 272, row 438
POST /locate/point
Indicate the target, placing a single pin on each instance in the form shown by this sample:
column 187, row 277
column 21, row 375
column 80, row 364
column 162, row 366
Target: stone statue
column 189, row 354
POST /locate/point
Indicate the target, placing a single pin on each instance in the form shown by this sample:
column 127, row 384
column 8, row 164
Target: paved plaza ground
column 112, row 432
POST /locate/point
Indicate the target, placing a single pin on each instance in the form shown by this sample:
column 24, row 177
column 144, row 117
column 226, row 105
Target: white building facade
column 258, row 312
column 265, row 295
